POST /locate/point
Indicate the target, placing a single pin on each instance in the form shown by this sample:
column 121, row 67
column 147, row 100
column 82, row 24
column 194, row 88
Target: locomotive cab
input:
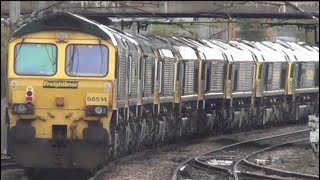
column 60, row 84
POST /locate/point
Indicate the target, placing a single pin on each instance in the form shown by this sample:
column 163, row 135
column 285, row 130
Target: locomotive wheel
column 148, row 135
column 128, row 139
column 131, row 147
column 136, row 136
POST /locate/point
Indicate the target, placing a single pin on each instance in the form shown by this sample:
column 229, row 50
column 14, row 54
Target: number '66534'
column 97, row 99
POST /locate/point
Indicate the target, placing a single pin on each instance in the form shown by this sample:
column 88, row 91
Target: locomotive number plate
column 97, row 99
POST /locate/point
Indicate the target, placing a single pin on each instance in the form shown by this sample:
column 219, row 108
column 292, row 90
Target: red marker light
column 29, row 94
column 90, row 109
column 29, row 99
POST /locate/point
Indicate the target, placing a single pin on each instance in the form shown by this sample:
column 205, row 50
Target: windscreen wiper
column 16, row 55
column 101, row 55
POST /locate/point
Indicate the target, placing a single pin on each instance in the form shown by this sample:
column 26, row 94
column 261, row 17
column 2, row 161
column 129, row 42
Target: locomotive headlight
column 62, row 37
column 21, row 108
column 98, row 110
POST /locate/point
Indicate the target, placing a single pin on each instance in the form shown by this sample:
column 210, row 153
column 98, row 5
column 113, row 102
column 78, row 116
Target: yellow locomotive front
column 60, row 90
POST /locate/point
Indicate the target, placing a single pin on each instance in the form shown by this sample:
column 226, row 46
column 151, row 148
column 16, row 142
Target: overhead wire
column 221, row 7
column 49, row 7
column 177, row 24
column 35, row 15
column 308, row 15
column 230, row 17
column 189, row 31
column 180, row 25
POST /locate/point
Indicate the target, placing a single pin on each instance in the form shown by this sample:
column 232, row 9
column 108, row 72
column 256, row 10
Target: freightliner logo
column 60, row 84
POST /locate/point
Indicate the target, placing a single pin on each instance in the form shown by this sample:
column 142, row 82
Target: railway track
column 8, row 163
column 225, row 140
column 149, row 152
column 225, row 162
column 241, row 167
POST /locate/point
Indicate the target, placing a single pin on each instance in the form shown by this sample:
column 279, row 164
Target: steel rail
column 164, row 148
column 268, row 169
column 8, row 163
column 182, row 165
column 136, row 155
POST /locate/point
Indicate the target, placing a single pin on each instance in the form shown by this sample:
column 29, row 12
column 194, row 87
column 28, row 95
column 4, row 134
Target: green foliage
column 252, row 31
column 171, row 30
column 4, row 42
column 311, row 36
column 165, row 30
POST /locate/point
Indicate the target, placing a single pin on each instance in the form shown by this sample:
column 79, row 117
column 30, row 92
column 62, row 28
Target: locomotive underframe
column 173, row 123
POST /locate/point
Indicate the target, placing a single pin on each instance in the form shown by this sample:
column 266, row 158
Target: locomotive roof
column 316, row 48
column 206, row 52
column 270, row 53
column 296, row 52
column 305, row 54
column 73, row 22
column 264, row 53
column 234, row 54
column 65, row 21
